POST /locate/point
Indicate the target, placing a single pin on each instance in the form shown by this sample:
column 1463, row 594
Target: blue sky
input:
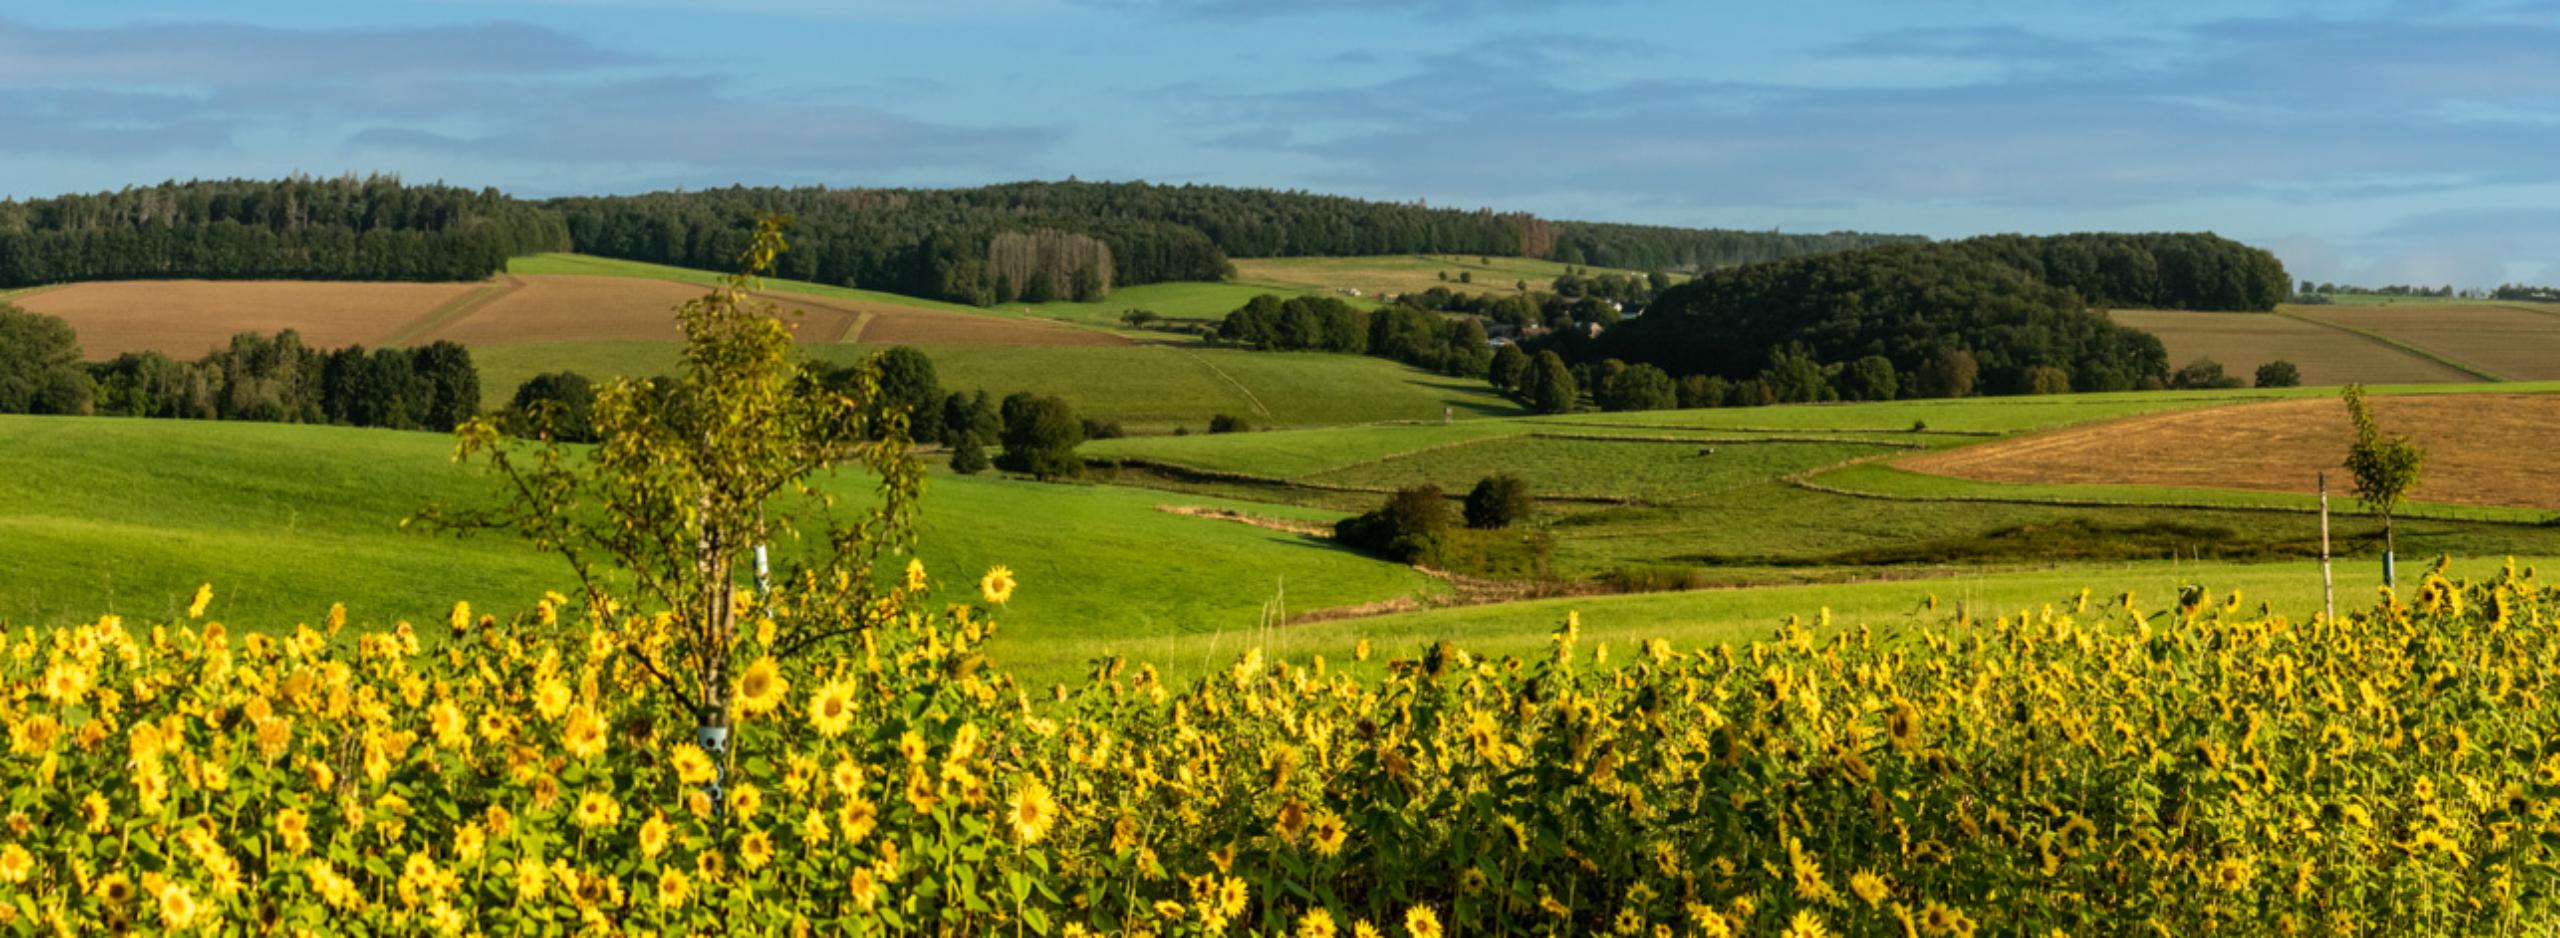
column 2373, row 142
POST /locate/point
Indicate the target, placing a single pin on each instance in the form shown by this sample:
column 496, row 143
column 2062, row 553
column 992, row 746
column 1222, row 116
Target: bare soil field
column 2482, row 449
column 2243, row 341
column 580, row 308
column 2515, row 343
column 186, row 318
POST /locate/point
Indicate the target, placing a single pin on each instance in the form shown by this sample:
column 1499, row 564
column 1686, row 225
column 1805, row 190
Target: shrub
column 558, row 404
column 1497, row 501
column 2046, row 379
column 1229, row 423
column 1406, row 529
column 969, row 454
column 1639, row 387
column 1099, row 429
column 1041, row 434
column 2202, row 373
column 2279, row 374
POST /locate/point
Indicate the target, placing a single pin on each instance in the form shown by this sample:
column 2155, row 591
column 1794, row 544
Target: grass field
column 1146, row 387
column 2243, row 341
column 284, row 520
column 187, row 318
column 1378, row 275
column 2516, row 343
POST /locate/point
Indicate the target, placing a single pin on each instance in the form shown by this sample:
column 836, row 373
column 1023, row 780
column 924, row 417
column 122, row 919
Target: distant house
column 1347, row 291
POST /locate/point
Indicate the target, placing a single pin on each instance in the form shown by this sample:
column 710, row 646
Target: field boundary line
column 1806, row 480
column 1249, row 396
column 1195, row 474
column 454, row 310
column 24, row 292
column 2430, row 355
column 1731, row 440
column 1987, row 434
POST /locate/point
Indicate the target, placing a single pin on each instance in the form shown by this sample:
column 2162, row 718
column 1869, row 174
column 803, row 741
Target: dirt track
column 2482, row 449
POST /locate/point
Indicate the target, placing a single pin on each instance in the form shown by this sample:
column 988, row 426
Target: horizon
column 2370, row 144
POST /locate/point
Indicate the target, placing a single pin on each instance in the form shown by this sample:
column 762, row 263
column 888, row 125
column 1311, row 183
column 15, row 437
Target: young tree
column 2046, row 379
column 1550, row 387
column 2279, row 374
column 2385, row 469
column 1509, row 365
column 1407, row 529
column 660, row 521
column 1871, row 378
column 1950, row 373
column 907, row 381
column 1497, row 501
column 555, row 405
column 968, row 453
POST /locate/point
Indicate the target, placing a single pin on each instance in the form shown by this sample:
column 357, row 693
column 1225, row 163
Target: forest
column 347, row 228
column 2019, row 308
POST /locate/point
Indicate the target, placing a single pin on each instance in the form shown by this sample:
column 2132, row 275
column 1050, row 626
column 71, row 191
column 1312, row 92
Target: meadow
column 2244, row 341
column 2514, row 342
column 127, row 516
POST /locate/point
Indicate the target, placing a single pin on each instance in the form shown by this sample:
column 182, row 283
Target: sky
column 2372, row 143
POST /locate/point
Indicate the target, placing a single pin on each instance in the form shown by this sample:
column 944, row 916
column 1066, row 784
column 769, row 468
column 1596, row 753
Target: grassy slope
column 1708, row 617
column 1146, row 387
column 128, row 516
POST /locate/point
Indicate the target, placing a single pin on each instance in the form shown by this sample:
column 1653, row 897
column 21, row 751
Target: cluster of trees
column 1519, row 311
column 945, row 243
column 1412, row 335
column 1546, row 383
column 257, row 377
column 1036, row 435
column 2198, row 271
column 371, row 228
column 1417, row 525
column 1627, row 289
column 2205, row 374
column 2522, row 292
column 1919, row 308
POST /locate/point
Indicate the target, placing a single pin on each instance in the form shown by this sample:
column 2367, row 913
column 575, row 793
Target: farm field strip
column 2509, row 340
column 184, row 319
column 453, row 310
column 1642, row 471
column 1883, row 481
column 2485, row 449
column 2422, row 352
column 2243, row 341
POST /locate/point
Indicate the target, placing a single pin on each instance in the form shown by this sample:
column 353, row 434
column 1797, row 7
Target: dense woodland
column 2020, row 310
column 951, row 243
column 349, row 228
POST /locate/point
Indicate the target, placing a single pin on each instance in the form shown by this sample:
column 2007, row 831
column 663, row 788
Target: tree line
column 348, row 228
column 275, row 379
column 1452, row 345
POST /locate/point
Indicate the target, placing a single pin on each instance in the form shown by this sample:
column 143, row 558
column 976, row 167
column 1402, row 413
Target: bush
column 1407, row 529
column 969, row 454
column 2201, row 374
column 1229, row 423
column 1497, row 501
column 2046, row 379
column 1639, row 387
column 1098, row 429
column 1041, row 434
column 560, row 404
column 2279, row 374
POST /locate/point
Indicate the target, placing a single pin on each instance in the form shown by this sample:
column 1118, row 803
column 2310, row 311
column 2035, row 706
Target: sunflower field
column 2080, row 770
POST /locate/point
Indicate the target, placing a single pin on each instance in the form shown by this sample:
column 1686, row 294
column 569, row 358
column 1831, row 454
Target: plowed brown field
column 186, row 318
column 2482, row 449
column 578, row 308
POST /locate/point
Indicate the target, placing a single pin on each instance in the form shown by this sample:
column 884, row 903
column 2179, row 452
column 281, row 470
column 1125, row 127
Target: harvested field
column 2243, row 341
column 186, row 318
column 2512, row 342
column 2482, row 449
column 888, row 324
column 581, row 308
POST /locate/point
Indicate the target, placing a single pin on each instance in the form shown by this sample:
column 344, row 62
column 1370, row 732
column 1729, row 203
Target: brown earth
column 887, row 324
column 186, row 318
column 2482, row 449
column 580, row 308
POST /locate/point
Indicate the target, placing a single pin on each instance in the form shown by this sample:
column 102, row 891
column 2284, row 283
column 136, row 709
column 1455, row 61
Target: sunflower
column 997, row 585
column 857, row 818
column 915, row 575
column 94, row 812
column 744, row 800
column 113, row 889
column 177, row 905
column 864, row 889
column 1327, row 833
column 597, row 809
column 831, row 711
column 654, row 833
column 204, row 597
column 16, row 864
column 585, row 735
column 755, row 850
column 1869, row 887
column 1032, row 811
column 295, row 828
column 692, row 765
column 762, row 688
column 1805, row 925
column 1421, row 922
column 673, row 887
column 1317, row 923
